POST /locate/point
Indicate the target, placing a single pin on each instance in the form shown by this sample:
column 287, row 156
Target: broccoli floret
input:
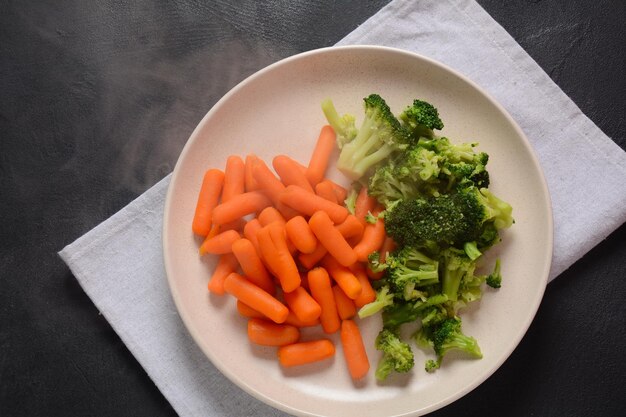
column 444, row 337
column 448, row 220
column 350, row 201
column 456, row 265
column 343, row 125
column 410, row 268
column 464, row 172
column 471, row 250
column 447, row 336
column 379, row 136
column 384, row 298
column 421, row 118
column 410, row 174
column 374, row 262
column 397, row 355
column 494, row 280
column 409, row 311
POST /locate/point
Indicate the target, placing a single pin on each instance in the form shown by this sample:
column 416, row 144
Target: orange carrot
column 367, row 294
column 300, row 234
column 326, row 190
column 321, row 155
column 295, row 321
column 289, row 173
column 255, row 297
column 340, row 191
column 321, row 290
column 249, row 180
column 269, row 215
column 350, row 227
column 363, row 205
column 309, row 260
column 234, row 177
column 287, row 269
column 252, row 266
column 303, row 305
column 343, row 276
column 246, row 311
column 274, row 251
column 239, row 206
column 308, row 203
column 345, row 306
column 331, row 238
column 354, row 349
column 266, row 180
column 220, row 243
column 208, row 198
column 373, row 238
column 267, row 333
column 250, row 230
column 305, row 352
column 226, row 265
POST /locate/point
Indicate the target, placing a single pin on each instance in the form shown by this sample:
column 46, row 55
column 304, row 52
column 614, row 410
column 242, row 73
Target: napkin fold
column 119, row 263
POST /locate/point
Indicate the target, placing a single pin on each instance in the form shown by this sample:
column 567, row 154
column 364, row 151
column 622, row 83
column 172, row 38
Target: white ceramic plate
column 277, row 110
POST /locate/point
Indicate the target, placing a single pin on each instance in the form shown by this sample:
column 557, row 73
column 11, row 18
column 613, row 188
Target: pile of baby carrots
column 290, row 252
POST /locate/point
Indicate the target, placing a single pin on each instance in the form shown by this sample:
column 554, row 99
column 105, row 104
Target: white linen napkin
column 119, row 263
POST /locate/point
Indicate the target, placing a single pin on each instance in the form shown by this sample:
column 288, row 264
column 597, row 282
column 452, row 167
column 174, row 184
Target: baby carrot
column 345, row 306
column 340, row 191
column 270, row 215
column 246, row 311
column 305, row 352
column 367, row 294
column 300, row 234
column 309, row 260
column 308, row 203
column 208, row 198
column 267, row 333
column 250, row 230
column 250, row 183
column 373, row 238
column 321, row 290
column 266, row 180
column 226, row 265
column 343, row 276
column 354, row 349
column 363, row 205
column 287, row 271
column 255, row 297
column 303, row 305
column 220, row 243
column 326, row 190
column 252, row 266
column 350, row 227
column 234, row 177
column 239, row 206
column 321, row 155
column 331, row 238
column 295, row 321
column 289, row 173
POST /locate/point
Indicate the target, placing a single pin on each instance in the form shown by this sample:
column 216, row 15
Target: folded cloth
column 119, row 263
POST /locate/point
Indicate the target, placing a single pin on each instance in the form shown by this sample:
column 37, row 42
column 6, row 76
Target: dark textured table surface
column 98, row 99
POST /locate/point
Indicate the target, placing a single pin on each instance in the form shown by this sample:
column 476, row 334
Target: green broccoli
column 456, row 265
column 397, row 355
column 379, row 136
column 447, row 220
column 409, row 311
column 343, row 125
column 408, row 269
column 494, row 280
column 383, row 299
column 421, row 118
column 444, row 337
